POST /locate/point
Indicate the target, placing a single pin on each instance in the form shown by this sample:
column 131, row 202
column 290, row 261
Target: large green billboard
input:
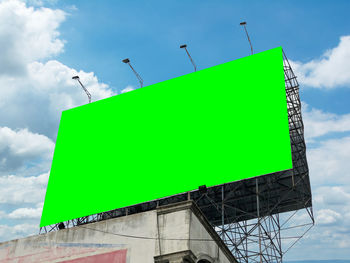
column 214, row 126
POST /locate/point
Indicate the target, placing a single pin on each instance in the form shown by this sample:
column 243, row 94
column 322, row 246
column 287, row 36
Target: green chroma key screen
column 214, row 126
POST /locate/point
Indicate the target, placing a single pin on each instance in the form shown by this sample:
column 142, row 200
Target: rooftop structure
column 174, row 233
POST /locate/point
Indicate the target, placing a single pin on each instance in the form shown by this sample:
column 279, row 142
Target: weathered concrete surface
column 175, row 233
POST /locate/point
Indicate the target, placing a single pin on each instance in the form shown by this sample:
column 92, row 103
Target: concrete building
column 170, row 234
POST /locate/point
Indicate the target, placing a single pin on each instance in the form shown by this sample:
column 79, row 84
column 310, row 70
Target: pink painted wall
column 118, row 256
column 64, row 254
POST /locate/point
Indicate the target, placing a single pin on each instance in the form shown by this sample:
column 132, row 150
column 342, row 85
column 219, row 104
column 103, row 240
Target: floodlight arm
column 188, row 54
column 81, row 84
column 245, row 29
column 137, row 75
column 127, row 61
column 86, row 91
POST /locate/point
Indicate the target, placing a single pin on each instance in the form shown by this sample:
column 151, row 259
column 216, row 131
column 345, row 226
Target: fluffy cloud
column 23, row 190
column 330, row 179
column 20, row 230
column 327, row 217
column 24, row 143
column 127, row 89
column 332, row 196
column 328, row 160
column 37, row 99
column 328, row 71
column 329, row 163
column 25, row 213
column 24, row 152
column 27, row 35
column 35, row 90
column 318, row 123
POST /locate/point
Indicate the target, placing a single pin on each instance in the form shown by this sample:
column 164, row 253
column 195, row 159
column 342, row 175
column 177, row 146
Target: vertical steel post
column 222, row 212
column 258, row 214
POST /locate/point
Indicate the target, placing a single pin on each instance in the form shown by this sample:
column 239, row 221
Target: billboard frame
column 248, row 211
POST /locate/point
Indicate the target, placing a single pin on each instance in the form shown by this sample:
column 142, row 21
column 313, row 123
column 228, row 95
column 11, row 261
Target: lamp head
column 75, row 77
column 126, row 60
column 202, row 189
column 243, row 23
column 183, row 46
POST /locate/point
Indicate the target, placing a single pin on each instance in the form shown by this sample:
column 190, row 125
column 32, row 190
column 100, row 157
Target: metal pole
column 245, row 29
column 81, row 84
column 222, row 212
column 194, row 65
column 86, row 91
column 127, row 61
column 258, row 214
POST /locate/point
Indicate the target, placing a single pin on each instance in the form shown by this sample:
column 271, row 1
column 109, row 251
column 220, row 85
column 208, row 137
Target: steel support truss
column 269, row 222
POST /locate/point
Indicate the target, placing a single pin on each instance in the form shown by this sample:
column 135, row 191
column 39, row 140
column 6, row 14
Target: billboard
column 204, row 128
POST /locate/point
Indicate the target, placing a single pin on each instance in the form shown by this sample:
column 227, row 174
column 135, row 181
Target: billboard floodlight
column 81, row 84
column 203, row 189
column 127, row 61
column 194, row 65
column 61, row 226
column 245, row 29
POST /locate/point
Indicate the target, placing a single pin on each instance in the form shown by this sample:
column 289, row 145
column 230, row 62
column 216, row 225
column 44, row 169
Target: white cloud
column 53, row 83
column 17, row 190
column 329, row 166
column 25, row 143
column 127, row 89
column 327, row 217
column 27, row 34
column 329, row 163
column 18, row 148
column 26, row 213
column 34, row 91
column 333, row 196
column 318, row 122
column 37, row 99
column 330, row 70
column 21, row 230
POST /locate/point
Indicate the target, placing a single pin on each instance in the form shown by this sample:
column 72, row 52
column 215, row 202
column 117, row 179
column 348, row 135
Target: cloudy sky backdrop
column 44, row 43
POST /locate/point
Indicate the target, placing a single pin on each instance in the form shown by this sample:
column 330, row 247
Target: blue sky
column 151, row 32
column 44, row 43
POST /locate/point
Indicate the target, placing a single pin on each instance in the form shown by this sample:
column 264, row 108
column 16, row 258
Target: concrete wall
column 175, row 233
